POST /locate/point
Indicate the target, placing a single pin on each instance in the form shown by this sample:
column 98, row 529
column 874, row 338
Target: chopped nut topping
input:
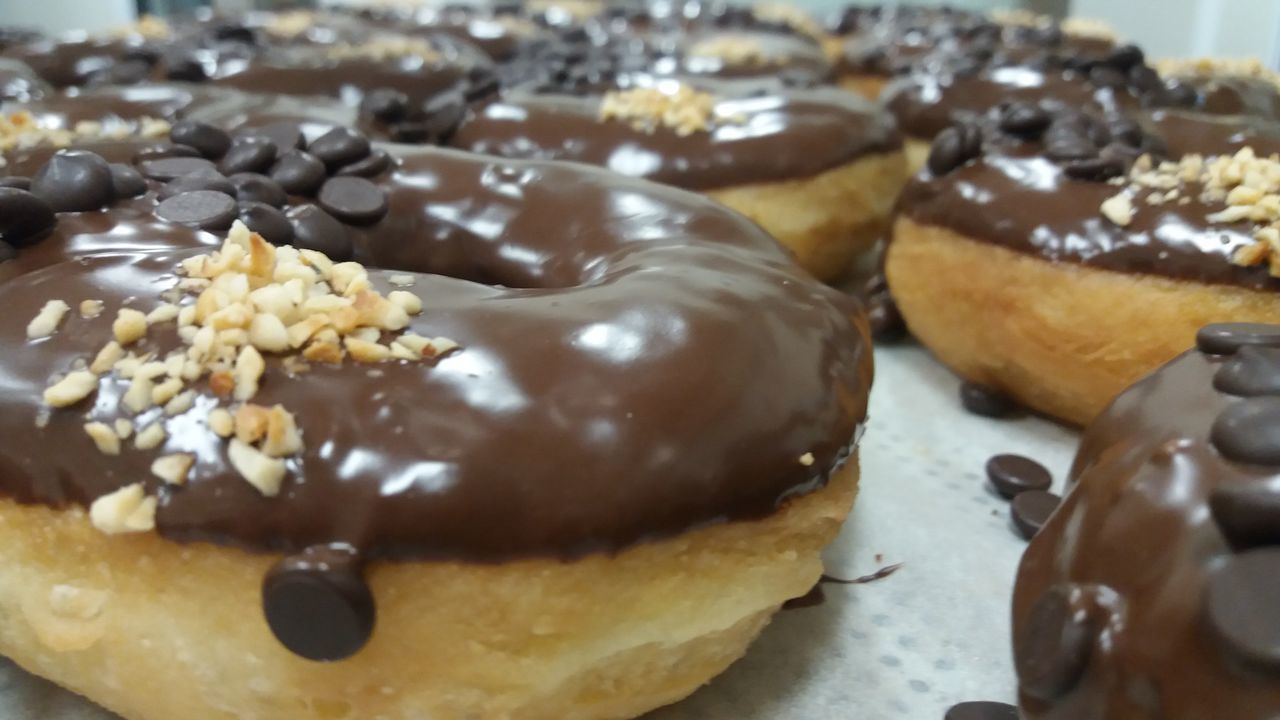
column 578, row 10
column 20, row 130
column 789, row 15
column 221, row 422
column 150, row 437
column 71, row 389
column 130, row 326
column 124, row 428
column 1118, row 209
column 736, row 50
column 104, row 436
column 391, row 47
column 263, row 472
column 291, row 24
column 678, row 107
column 401, row 281
column 807, row 459
column 90, row 309
column 126, row 510
column 1210, row 68
column 47, row 320
column 1074, row 26
column 173, row 469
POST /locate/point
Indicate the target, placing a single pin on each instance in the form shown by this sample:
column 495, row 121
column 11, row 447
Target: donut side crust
column 866, row 85
column 155, row 630
column 1061, row 338
column 829, row 219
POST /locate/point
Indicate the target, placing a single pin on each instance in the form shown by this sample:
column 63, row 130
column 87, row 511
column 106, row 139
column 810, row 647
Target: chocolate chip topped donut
column 1101, row 257
column 1152, row 591
column 473, row 444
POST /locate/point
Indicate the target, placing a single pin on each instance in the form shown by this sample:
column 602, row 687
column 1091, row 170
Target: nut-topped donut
column 556, row 445
column 1152, row 592
column 1059, row 259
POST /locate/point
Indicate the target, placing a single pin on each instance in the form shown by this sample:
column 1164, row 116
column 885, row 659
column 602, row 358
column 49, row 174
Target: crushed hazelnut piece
column 1118, row 209
column 129, row 327
column 150, row 437
column 73, row 388
column 391, row 47
column 90, row 309
column 789, row 15
column 104, row 436
column 401, row 281
column 261, row 471
column 678, row 107
column 164, row 313
column 173, row 469
column 221, row 422
column 806, row 459
column 1211, row 68
column 124, row 428
column 47, row 320
column 126, row 510
column 736, row 50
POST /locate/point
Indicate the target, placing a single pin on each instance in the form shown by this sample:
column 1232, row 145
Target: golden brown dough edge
column 866, row 85
column 1061, row 338
column 154, row 630
column 829, row 219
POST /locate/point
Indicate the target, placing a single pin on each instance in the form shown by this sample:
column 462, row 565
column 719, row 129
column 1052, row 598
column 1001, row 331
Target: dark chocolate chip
column 126, row 181
column 353, row 200
column 340, row 146
column 285, row 135
column 377, row 162
column 1106, row 76
column 1243, row 605
column 1012, row 475
column 185, row 68
column 986, row 401
column 385, row 104
column 1125, row 57
column 1252, row 371
column 197, row 181
column 315, row 229
column 318, row 605
column 16, row 181
column 24, row 217
column 1248, row 515
column 267, row 221
column 168, row 150
column 248, row 153
column 1031, row 509
column 254, row 187
column 444, row 112
column 298, row 172
column 170, row 168
column 1055, row 646
column 982, row 710
column 954, row 147
column 74, row 181
column 409, row 131
column 1024, row 120
column 1181, row 95
column 210, row 141
column 1095, row 169
column 1226, row 338
column 1145, row 79
column 1248, row 431
column 205, row 209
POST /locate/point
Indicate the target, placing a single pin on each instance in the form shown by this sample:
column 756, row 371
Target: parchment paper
column 909, row 646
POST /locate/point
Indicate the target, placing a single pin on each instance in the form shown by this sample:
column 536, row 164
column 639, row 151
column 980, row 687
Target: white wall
column 1182, row 28
column 56, row 16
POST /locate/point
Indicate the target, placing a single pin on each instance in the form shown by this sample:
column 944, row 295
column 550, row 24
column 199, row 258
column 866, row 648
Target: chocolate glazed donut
column 1151, row 593
column 635, row 368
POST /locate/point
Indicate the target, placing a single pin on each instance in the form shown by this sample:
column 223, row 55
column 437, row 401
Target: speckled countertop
column 909, row 646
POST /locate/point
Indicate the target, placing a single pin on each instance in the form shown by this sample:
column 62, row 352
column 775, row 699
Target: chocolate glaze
column 1186, row 132
column 1227, row 94
column 592, row 311
column 1020, row 200
column 787, row 135
column 1135, row 541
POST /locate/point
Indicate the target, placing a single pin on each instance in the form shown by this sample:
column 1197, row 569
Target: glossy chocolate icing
column 787, row 135
column 1016, row 198
column 1136, row 541
column 1186, row 132
column 635, row 362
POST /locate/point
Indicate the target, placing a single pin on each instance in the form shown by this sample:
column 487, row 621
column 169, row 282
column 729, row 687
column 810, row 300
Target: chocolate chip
column 1226, row 338
column 340, row 146
column 1105, row 76
column 185, row 68
column 1031, row 509
column 1012, row 475
column 170, row 168
column 197, row 181
column 1094, row 169
column 210, row 141
column 409, row 131
column 1250, row 372
column 267, row 221
column 1243, row 605
column 982, row 710
column 353, row 200
column 954, row 147
column 1024, row 120
column 253, row 187
column 1248, row 515
column 1248, row 431
column 248, row 153
column 1055, row 646
column 443, row 113
column 315, row 229
column 168, row 150
column 318, row 605
column 385, row 104
column 285, row 135
column 205, row 209
column 986, row 401
column 1125, row 57
column 16, row 181
column 377, row 162
column 24, row 217
column 127, row 182
column 298, row 172
column 1181, row 95
column 74, row 181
